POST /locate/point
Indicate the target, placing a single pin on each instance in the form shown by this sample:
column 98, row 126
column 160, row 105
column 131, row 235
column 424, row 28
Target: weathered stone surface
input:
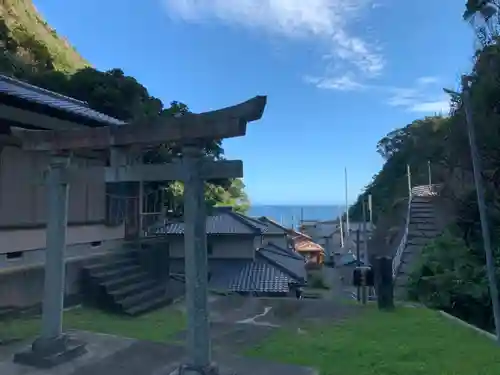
column 113, row 355
column 46, row 354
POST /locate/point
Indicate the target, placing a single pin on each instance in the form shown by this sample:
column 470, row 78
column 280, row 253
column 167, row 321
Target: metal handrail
column 396, row 262
column 417, row 191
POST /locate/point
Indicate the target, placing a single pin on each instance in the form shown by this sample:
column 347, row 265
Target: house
column 354, row 226
column 296, row 235
column 276, row 233
column 240, row 260
column 96, row 219
column 229, row 236
column 310, row 250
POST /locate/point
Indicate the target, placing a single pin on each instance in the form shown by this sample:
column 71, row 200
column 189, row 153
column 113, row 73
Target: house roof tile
column 222, row 221
column 261, row 276
column 245, row 275
column 289, row 262
column 298, row 235
column 253, row 222
column 25, row 91
column 307, row 245
column 273, row 226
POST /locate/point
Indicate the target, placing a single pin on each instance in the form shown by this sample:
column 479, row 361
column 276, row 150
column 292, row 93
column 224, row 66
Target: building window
column 210, row 249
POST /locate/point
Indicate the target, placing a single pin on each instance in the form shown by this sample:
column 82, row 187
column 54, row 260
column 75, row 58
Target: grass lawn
column 156, row 326
column 409, row 341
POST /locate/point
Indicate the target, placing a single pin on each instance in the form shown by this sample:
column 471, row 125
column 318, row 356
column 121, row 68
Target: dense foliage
column 451, row 274
column 32, row 51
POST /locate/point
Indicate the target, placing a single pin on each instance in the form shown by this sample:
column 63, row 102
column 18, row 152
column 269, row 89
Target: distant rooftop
column 222, row 220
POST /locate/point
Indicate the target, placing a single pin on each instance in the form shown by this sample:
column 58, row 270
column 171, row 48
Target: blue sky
column 339, row 74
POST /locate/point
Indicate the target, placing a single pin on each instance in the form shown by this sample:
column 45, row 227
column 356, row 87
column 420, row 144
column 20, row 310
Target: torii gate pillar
column 53, row 347
column 196, row 268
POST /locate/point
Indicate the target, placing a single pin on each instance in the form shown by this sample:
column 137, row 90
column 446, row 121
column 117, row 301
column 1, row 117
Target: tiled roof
column 253, row 222
column 243, row 275
column 222, row 221
column 260, row 276
column 34, row 94
column 307, row 245
column 297, row 235
column 224, row 271
column 289, row 262
column 289, row 252
column 273, row 226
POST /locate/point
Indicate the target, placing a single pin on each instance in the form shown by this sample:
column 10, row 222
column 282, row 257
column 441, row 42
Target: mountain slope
column 27, row 35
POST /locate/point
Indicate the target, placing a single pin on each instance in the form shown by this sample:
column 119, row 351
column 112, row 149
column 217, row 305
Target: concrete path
column 237, row 323
column 113, row 355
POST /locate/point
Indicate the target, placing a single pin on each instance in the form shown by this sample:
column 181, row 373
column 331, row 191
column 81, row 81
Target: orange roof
column 298, row 235
column 306, row 245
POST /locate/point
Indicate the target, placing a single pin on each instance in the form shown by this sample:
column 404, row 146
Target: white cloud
column 427, row 80
column 437, row 106
column 341, row 83
column 327, row 22
column 422, row 97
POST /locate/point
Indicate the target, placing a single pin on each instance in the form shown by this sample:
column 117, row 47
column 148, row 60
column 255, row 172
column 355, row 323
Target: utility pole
column 370, row 210
column 477, row 168
column 346, row 205
column 365, row 236
column 341, row 232
column 429, row 172
column 358, row 262
column 408, row 173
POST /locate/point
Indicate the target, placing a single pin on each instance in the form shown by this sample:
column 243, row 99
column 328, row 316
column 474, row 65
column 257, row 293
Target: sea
column 290, row 215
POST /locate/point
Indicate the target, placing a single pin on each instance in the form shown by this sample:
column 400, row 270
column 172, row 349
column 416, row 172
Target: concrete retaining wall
column 22, row 286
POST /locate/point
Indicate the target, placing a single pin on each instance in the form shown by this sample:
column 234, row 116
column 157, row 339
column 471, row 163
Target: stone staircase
column 422, row 228
column 119, row 283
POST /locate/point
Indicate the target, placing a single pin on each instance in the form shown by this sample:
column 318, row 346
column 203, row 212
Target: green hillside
column 31, row 39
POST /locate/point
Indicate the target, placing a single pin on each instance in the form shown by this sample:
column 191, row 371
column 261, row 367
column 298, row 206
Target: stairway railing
column 396, row 262
column 417, row 191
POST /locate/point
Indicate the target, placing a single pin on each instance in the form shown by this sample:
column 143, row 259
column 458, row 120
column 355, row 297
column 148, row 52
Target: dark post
column 384, row 282
column 363, row 288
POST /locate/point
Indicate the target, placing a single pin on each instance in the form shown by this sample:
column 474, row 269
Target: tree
column 451, row 277
column 451, row 272
column 112, row 93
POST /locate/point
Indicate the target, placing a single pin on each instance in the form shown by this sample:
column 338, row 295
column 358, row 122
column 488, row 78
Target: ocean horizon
column 290, row 215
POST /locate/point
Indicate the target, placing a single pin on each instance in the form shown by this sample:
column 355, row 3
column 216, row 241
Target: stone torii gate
column 191, row 130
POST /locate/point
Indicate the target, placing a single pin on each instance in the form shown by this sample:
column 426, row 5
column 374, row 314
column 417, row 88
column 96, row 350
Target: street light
column 477, row 168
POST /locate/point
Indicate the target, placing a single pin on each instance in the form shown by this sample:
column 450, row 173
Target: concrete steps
column 422, row 228
column 120, row 284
